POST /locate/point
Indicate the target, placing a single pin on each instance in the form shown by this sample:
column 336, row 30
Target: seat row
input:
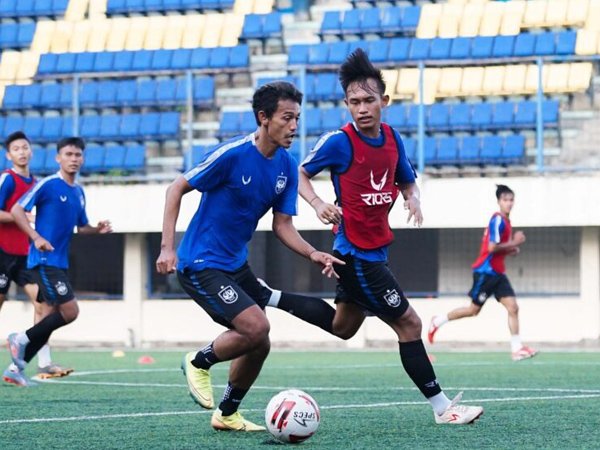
column 392, row 19
column 31, row 8
column 109, row 127
column 262, row 26
column 219, row 58
column 144, row 6
column 109, row 93
column 16, row 35
column 397, row 50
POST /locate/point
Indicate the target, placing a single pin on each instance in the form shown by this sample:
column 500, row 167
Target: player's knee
column 513, row 309
column 343, row 332
column 258, row 334
column 411, row 322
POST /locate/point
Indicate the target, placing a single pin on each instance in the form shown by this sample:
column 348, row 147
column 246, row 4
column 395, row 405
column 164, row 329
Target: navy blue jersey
column 333, row 151
column 239, row 185
column 60, row 207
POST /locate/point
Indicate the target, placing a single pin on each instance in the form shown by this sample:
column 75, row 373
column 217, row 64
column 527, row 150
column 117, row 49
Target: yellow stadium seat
column 263, row 6
column 99, row 35
column 491, row 19
column 194, row 28
column 471, row 20
column 43, row 35
column 212, row 30
column 28, row 66
column 472, row 81
column 157, row 27
column 512, row 18
column 587, row 42
column 577, row 12
column 593, row 16
column 450, row 82
column 431, row 79
column 408, row 83
column 61, row 37
column 174, row 32
column 391, row 78
column 97, row 9
column 580, row 76
column 243, row 7
column 535, row 13
column 136, row 35
column 514, row 83
column 76, row 10
column 429, row 20
column 493, row 80
column 558, row 78
column 532, row 75
column 556, row 14
column 80, row 37
column 9, row 65
column 232, row 28
column 450, row 20
column 117, row 36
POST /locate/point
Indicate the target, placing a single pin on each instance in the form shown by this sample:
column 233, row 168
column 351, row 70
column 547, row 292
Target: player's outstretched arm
column 412, row 203
column 326, row 212
column 22, row 221
column 286, row 232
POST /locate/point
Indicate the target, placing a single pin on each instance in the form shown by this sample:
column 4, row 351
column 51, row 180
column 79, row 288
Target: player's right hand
column 42, row 244
column 166, row 262
column 519, row 237
column 328, row 213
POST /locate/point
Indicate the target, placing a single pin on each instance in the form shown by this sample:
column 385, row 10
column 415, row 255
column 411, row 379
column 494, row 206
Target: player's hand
column 413, row 205
column 514, row 251
column 326, row 260
column 42, row 244
column 519, row 237
column 166, row 262
column 328, row 213
column 104, row 227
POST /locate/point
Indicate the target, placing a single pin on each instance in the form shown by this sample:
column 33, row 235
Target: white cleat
column 459, row 414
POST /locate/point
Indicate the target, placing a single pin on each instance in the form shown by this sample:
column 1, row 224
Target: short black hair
column 266, row 97
column 358, row 68
column 503, row 189
column 74, row 141
column 15, row 137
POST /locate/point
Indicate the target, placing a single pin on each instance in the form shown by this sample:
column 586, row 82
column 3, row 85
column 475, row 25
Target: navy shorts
column 224, row 295
column 54, row 284
column 484, row 285
column 13, row 268
column 371, row 285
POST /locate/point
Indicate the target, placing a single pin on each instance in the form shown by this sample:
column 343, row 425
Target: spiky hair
column 358, row 68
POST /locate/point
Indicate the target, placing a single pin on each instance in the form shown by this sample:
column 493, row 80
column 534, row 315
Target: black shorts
column 484, row 285
column 371, row 285
column 54, row 284
column 13, row 268
column 224, row 295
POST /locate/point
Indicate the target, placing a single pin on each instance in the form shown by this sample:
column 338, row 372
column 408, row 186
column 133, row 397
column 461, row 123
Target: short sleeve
column 82, row 220
column 495, row 228
column 405, row 172
column 332, row 151
column 7, row 187
column 211, row 172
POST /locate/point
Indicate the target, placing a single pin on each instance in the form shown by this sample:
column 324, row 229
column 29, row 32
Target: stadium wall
column 545, row 201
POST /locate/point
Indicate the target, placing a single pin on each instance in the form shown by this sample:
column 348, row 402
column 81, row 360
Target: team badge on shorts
column 393, row 298
column 61, row 288
column 228, row 295
column 482, row 297
column 280, row 184
column 3, row 280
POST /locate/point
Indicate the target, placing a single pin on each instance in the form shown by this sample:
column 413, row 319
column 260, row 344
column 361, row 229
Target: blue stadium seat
column 338, row 52
column 123, row 61
column 43, row 8
column 565, row 44
column 395, row 116
column 460, row 48
column 59, row 6
column 88, row 93
column 333, row 118
column 107, row 93
column 204, row 90
column 149, row 126
column 130, row 126
column 545, row 43
column 298, row 54
column 391, row 19
column 430, row 150
column 66, row 63
column 312, row 119
column 230, row 123
column 135, row 156
column 460, row 117
column 524, row 45
column 127, row 92
column 7, row 9
column 503, row 46
column 84, row 62
column 247, row 122
column 504, row 115
column 481, row 47
column 219, row 58
column 378, row 50
column 25, row 8
column 38, row 160
column 114, row 157
column 94, row 159
column 351, row 21
column 325, row 86
column 47, row 63
column 468, row 152
column 318, row 54
column 419, row 49
column 146, row 92
column 50, row 164
column 103, row 61
column 135, row 6
column 481, row 116
column 331, row 23
column 142, row 60
column 526, row 114
column 8, row 35
column 199, row 58
column 253, row 26
column 90, row 126
column 32, row 127
column 272, row 26
column 31, row 96
column 153, row 5
column 50, row 96
column 161, row 59
column 52, row 129
column 412, row 117
column 550, row 110
column 109, row 127
column 447, row 152
column 181, row 58
column 410, row 18
column 310, row 85
column 171, row 5
column 68, row 128
column 513, row 151
column 199, row 153
column 239, row 56
column 440, row 48
column 66, row 95
column 353, row 45
column 12, row 97
column 410, row 148
column 491, row 149
column 399, row 49
column 371, row 20
column 438, row 117
column 165, row 91
column 25, row 34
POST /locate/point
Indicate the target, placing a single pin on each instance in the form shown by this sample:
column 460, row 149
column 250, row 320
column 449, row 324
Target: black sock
column 313, row 310
column 231, row 399
column 205, row 358
column 40, row 333
column 418, row 367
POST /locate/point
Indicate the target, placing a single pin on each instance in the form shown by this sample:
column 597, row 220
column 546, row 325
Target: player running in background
column 240, row 181
column 369, row 169
column 60, row 206
column 489, row 275
column 14, row 247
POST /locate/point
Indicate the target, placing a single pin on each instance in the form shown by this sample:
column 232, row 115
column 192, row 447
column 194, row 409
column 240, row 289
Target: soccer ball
column 292, row 416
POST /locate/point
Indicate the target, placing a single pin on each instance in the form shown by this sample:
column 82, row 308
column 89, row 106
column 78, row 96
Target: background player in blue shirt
column 60, row 207
column 240, row 181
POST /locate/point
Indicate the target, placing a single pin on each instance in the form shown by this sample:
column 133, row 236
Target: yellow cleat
column 53, row 371
column 198, row 381
column 234, row 422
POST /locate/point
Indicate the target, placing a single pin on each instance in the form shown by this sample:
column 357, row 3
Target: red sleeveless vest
column 367, row 190
column 12, row 240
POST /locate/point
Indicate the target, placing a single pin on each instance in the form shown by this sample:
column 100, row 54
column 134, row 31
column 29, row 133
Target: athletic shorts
column 54, row 284
column 484, row 285
column 371, row 285
column 13, row 268
column 224, row 295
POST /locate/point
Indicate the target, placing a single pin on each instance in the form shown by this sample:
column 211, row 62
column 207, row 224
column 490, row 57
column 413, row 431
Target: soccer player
column 369, row 169
column 14, row 247
column 60, row 206
column 240, row 181
column 489, row 275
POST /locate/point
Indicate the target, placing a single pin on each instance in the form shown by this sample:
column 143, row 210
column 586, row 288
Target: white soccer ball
column 292, row 416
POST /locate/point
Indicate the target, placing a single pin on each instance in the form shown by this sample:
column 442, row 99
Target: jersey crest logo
column 392, row 298
column 482, row 297
column 280, row 184
column 61, row 288
column 3, row 280
column 245, row 182
column 63, row 198
column 228, row 295
column 379, row 186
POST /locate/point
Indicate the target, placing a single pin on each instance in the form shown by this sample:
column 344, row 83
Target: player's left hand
column 104, row 226
column 413, row 205
column 326, row 260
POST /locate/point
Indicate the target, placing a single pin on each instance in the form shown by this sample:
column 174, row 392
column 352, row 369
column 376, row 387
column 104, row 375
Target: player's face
column 19, row 152
column 283, row 125
column 506, row 203
column 365, row 104
column 70, row 159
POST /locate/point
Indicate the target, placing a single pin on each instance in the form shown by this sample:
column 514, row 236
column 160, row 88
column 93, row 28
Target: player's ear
column 262, row 118
column 385, row 99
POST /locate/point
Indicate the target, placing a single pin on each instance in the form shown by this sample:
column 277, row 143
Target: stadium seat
column 371, row 21
column 107, row 93
column 52, row 129
column 449, row 21
column 253, row 26
column 577, row 12
column 429, row 21
column 515, row 83
column 31, row 96
column 410, row 148
column 114, row 157
column 219, row 58
column 313, row 121
column 129, row 126
column 440, row 48
column 410, row 18
column 412, row 117
column 378, row 51
column 503, row 115
column 565, row 43
column 471, row 19
column 204, row 90
column 430, row 149
column 239, row 56
column 272, row 26
column 161, row 59
column 525, row 114
column 468, row 151
column 84, row 62
column 8, row 35
column 558, row 78
column 481, row 47
column 88, row 93
column 90, row 126
column 123, row 61
column 391, row 78
column 535, row 14
column 68, row 127
column 550, row 110
column 94, row 159
column 399, row 48
column 213, row 26
column 149, row 126
column 12, row 124
column 146, row 92
column 61, row 37
column 192, row 34
column 524, row 45
column 174, row 35
column 136, row 34
column 544, row 43
column 117, row 36
column 338, row 51
column 460, row 117
column 580, row 75
column 318, row 54
column 503, row 46
column 247, row 122
column 32, row 127
column 395, row 116
column 481, row 116
column 491, row 19
column 438, row 117
column 43, row 35
column 325, row 87
column 199, row 58
column 298, row 54
column 491, row 149
column 408, row 82
column 157, row 28
column 65, row 63
column 98, row 38
column 391, row 19
column 135, row 156
column 230, row 123
column 126, row 92
column 419, row 49
column 450, row 82
column 12, row 97
column 472, row 81
column 38, row 161
column 231, row 30
column 165, row 91
column 142, row 60
column 103, row 62
column 80, row 37
column 460, row 48
column 447, row 152
column 351, row 21
column 493, row 80
column 66, row 95
column 512, row 18
column 50, row 164
column 513, row 150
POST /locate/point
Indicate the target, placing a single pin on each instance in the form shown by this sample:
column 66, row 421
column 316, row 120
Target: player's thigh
column 54, row 284
column 348, row 319
column 247, row 280
column 503, row 289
